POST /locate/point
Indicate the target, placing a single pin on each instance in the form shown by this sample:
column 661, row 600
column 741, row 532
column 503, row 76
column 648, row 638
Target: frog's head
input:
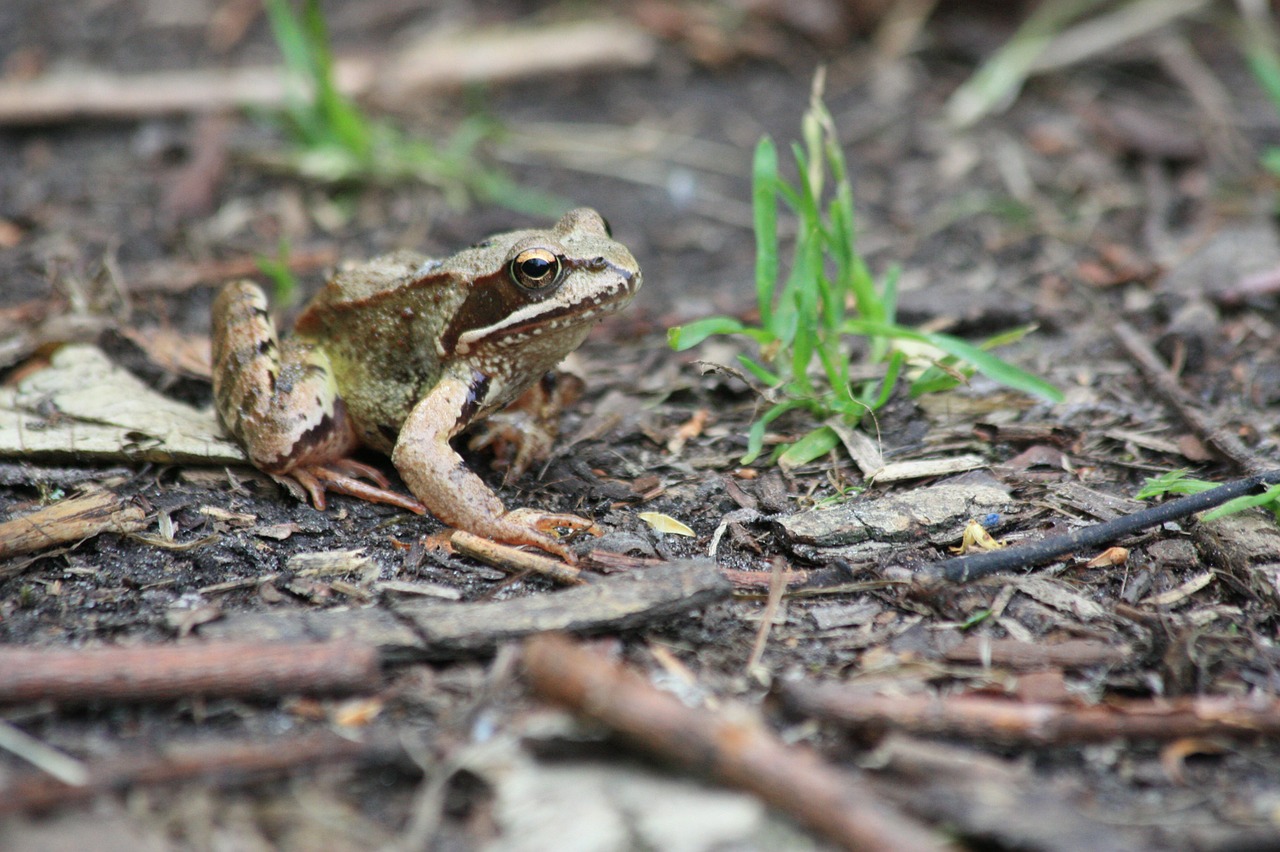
column 535, row 294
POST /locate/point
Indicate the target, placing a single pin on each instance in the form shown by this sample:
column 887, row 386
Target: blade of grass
column 764, row 204
column 814, row 445
column 1002, row 76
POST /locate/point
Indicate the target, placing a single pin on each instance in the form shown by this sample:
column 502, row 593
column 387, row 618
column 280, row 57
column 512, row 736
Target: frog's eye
column 535, row 268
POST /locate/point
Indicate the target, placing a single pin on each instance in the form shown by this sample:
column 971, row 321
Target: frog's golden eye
column 535, row 268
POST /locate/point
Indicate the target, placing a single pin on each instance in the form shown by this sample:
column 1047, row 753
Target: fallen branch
column 1177, row 398
column 216, row 762
column 439, row 61
column 160, row 673
column 734, row 750
column 448, row 630
column 1034, row 723
column 1018, row 655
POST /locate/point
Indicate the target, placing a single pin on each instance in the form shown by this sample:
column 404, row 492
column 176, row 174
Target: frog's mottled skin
column 403, row 352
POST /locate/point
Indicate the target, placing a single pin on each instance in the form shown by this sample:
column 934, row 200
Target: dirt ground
column 393, row 698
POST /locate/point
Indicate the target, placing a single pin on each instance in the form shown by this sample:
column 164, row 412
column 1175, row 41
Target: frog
column 403, row 353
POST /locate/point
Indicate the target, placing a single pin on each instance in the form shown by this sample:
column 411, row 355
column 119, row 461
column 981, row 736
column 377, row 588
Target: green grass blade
column 989, row 365
column 764, row 210
column 684, row 337
column 1269, row 499
column 761, row 372
column 814, row 445
column 995, row 368
column 1174, row 482
column 890, row 382
column 755, row 438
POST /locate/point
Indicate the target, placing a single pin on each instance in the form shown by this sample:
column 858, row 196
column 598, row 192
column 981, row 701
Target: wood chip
column 1186, row 590
column 68, row 521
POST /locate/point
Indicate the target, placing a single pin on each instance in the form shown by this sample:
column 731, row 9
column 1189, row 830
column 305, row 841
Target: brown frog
column 403, row 353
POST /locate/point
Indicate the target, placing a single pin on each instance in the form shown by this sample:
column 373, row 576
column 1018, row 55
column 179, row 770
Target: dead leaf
column 666, row 524
column 1108, row 558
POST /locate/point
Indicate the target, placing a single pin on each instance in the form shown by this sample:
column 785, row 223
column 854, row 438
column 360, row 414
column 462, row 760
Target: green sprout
column 1261, row 55
column 828, row 296
column 284, row 282
column 335, row 143
column 1180, row 483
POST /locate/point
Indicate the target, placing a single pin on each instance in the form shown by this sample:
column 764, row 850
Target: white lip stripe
column 534, row 310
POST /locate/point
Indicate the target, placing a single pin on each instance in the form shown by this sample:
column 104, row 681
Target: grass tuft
column 334, row 142
column 828, row 296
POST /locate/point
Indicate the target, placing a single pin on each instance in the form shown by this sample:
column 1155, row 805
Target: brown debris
column 734, row 750
column 1182, row 402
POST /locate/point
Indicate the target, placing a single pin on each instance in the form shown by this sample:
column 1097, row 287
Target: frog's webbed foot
column 343, row 476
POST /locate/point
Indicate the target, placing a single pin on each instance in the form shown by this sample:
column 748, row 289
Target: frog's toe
column 359, row 470
column 337, row 477
column 516, row 440
column 540, row 530
column 551, row 522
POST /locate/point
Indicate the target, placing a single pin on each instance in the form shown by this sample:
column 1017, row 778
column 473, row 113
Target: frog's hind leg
column 280, row 401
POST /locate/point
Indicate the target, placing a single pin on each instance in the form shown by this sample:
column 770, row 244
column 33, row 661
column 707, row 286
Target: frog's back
column 360, row 283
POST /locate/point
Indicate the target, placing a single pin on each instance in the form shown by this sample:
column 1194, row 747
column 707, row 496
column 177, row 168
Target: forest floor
column 195, row 659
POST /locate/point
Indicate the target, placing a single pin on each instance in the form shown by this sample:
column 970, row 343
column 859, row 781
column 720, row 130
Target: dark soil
column 1105, row 192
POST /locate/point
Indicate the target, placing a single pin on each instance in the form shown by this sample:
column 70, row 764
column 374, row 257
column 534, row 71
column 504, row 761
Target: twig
column 44, row 757
column 158, row 673
column 1035, row 723
column 777, row 585
column 736, row 751
column 433, row 63
column 513, row 559
column 1167, row 384
column 963, row 569
column 68, row 521
column 225, row 762
column 1018, row 655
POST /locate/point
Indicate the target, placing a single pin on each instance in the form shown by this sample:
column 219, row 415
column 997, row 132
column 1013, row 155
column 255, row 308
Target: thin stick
column 777, row 585
column 962, row 569
column 1181, row 402
column 158, row 673
column 737, row 751
column 982, row 718
column 434, row 63
column 513, row 559
column 219, row 761
column 44, row 757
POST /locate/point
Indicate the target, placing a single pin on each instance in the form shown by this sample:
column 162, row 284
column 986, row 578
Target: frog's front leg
column 437, row 476
column 280, row 401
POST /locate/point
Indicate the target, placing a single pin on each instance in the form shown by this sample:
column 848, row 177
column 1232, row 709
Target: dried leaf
column 666, row 524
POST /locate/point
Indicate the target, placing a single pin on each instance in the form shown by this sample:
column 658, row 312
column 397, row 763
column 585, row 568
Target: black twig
column 962, row 569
